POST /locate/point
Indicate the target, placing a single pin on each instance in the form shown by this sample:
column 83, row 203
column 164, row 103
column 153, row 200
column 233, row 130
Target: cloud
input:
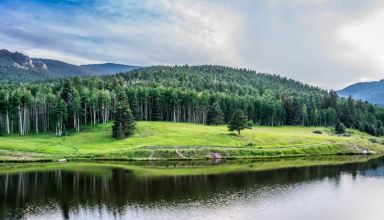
column 321, row 42
column 361, row 44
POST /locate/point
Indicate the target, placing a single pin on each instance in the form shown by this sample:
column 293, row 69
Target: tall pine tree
column 124, row 122
column 67, row 96
column 215, row 115
column 238, row 121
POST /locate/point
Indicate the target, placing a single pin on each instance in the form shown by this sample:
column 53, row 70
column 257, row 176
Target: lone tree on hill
column 124, row 122
column 238, row 121
column 215, row 115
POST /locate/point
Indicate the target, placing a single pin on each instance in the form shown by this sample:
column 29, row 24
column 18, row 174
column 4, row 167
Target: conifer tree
column 238, row 121
column 215, row 115
column 124, row 122
column 67, row 96
column 156, row 113
column 136, row 108
column 340, row 128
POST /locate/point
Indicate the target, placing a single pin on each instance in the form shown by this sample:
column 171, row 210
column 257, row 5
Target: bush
column 374, row 140
column 340, row 128
column 347, row 134
column 317, row 132
column 371, row 129
column 250, row 124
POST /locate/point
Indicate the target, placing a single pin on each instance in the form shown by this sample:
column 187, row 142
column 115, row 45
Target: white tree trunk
column 36, row 120
column 7, row 122
column 20, row 121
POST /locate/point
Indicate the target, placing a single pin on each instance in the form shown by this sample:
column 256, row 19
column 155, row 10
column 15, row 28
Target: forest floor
column 183, row 141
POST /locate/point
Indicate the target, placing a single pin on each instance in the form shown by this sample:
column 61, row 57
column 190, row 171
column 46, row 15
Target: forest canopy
column 179, row 94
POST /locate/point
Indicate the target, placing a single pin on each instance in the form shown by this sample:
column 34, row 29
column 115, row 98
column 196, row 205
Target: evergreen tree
column 215, row 115
column 67, row 96
column 238, row 121
column 340, row 128
column 136, row 108
column 124, row 122
column 156, row 112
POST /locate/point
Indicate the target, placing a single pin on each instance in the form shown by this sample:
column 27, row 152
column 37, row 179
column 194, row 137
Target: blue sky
column 327, row 43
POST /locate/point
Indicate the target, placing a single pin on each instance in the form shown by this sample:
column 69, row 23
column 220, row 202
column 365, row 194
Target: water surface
column 352, row 191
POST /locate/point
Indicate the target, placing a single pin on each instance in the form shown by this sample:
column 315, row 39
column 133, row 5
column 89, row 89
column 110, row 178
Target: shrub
column 347, row 134
column 250, row 124
column 340, row 128
column 374, row 140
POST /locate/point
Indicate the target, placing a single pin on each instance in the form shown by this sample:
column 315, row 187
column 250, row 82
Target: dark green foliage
column 183, row 94
column 250, row 124
column 370, row 129
column 67, row 96
column 156, row 113
column 123, row 120
column 238, row 121
column 340, row 128
column 215, row 115
column 134, row 104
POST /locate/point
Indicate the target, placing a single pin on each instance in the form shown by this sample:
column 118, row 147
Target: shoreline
column 182, row 168
column 122, row 159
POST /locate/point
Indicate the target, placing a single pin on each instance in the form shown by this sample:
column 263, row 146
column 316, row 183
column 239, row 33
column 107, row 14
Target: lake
column 104, row 191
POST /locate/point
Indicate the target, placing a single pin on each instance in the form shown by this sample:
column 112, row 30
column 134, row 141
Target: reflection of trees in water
column 71, row 191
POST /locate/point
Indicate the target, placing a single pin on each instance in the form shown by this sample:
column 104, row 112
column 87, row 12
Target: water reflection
column 116, row 193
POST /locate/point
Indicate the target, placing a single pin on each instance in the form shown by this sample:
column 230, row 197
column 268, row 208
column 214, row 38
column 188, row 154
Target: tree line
column 199, row 94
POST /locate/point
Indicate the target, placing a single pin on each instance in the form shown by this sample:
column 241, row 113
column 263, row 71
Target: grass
column 167, row 140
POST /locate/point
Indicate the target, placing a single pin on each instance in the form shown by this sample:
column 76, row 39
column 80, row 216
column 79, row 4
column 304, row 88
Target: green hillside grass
column 167, row 140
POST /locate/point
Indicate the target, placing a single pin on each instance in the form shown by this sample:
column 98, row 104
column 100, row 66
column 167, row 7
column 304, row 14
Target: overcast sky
column 328, row 43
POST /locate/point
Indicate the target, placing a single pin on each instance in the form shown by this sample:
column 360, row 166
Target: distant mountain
column 369, row 91
column 17, row 67
column 109, row 68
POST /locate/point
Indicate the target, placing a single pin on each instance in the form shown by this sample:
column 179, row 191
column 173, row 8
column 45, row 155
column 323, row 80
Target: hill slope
column 369, row 91
column 17, row 67
column 217, row 79
column 166, row 140
column 109, row 68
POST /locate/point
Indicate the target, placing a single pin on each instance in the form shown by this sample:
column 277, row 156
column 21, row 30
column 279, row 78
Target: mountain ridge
column 18, row 67
column 372, row 91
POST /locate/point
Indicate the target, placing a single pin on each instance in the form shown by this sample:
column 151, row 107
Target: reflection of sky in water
column 359, row 198
column 379, row 172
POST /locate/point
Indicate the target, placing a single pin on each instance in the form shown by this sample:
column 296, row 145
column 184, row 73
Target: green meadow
column 183, row 141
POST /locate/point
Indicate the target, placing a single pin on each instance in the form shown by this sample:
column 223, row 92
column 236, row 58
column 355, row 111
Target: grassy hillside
column 166, row 140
